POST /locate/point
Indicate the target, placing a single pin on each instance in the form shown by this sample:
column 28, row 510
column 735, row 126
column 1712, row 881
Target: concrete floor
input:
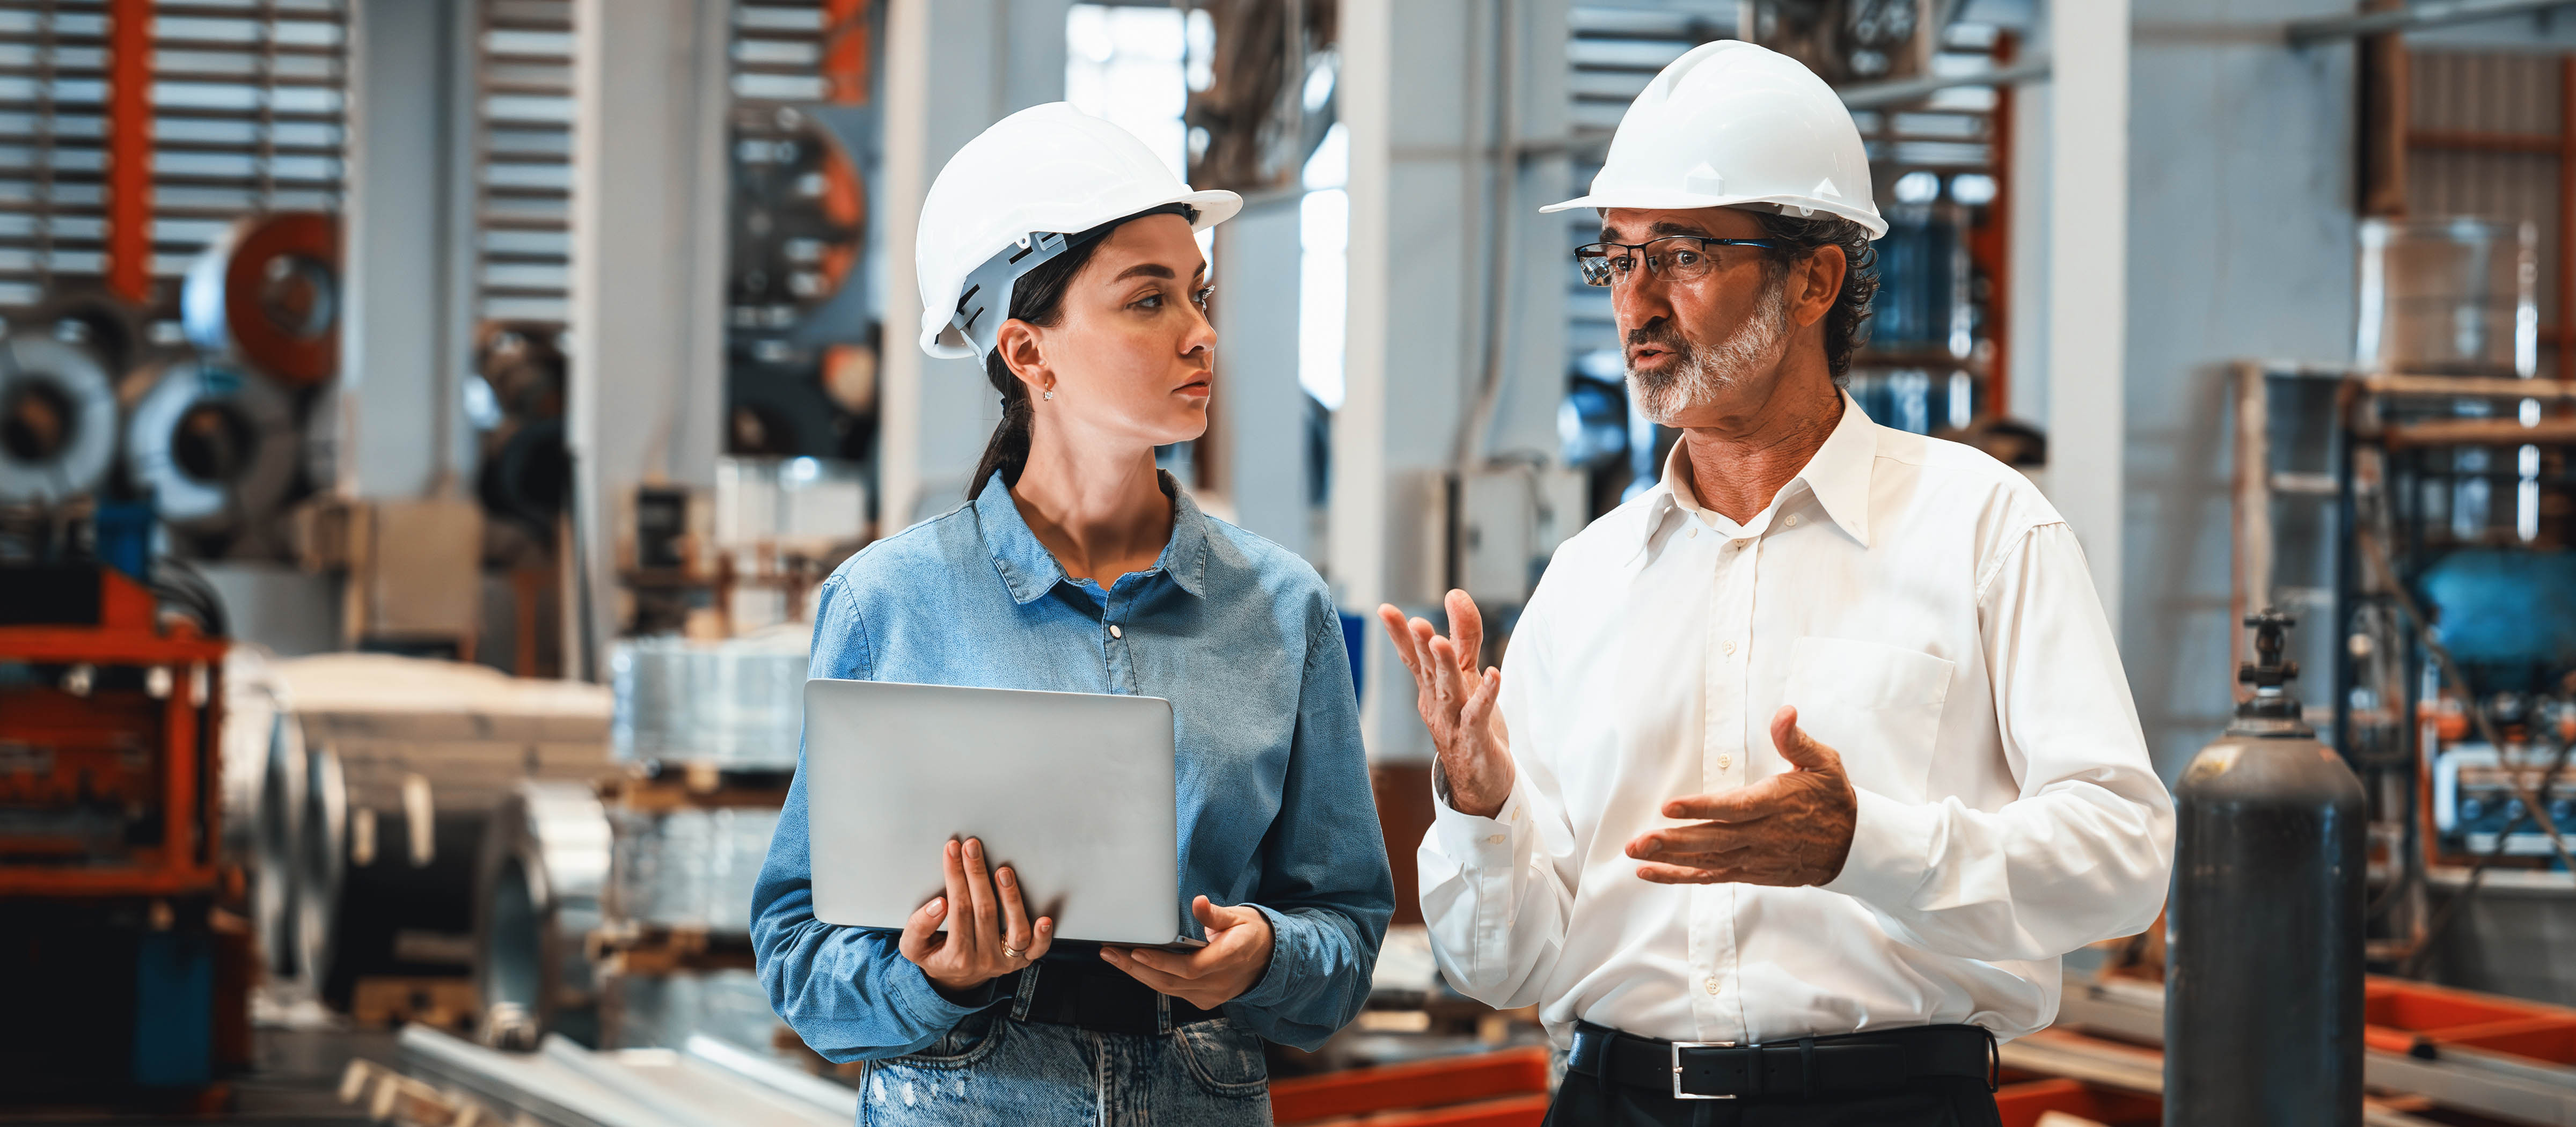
column 293, row 1082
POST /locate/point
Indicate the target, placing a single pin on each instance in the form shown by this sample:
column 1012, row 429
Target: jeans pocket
column 1224, row 1059
column 969, row 1041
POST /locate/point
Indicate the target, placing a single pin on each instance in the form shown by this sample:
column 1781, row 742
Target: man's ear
column 1820, row 282
column 1023, row 351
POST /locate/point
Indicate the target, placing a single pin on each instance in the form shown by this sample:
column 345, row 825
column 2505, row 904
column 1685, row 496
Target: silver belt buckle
column 1678, row 1046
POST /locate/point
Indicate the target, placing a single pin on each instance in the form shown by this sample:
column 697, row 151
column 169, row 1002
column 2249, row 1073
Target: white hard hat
column 1007, row 202
column 1731, row 124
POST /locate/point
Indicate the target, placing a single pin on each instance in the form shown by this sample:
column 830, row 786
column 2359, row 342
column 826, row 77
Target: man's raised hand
column 1790, row 830
column 1457, row 703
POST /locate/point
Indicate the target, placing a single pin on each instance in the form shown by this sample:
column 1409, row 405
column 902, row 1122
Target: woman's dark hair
column 1039, row 300
column 1847, row 323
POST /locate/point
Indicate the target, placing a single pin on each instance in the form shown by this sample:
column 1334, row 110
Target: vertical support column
column 400, row 386
column 129, row 149
column 648, row 210
column 2088, row 241
column 953, row 67
column 1454, row 280
column 1259, row 403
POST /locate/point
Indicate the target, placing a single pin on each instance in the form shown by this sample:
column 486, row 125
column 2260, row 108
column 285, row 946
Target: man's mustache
column 1657, row 331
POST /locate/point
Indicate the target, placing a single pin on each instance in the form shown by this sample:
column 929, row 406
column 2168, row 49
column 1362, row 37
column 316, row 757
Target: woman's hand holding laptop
column 991, row 935
column 1236, row 955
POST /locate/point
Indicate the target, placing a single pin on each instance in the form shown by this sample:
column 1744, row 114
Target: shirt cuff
column 1288, row 943
column 1891, row 850
column 923, row 1002
column 1480, row 843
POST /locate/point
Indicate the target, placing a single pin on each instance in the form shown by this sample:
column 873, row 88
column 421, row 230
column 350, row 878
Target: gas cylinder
column 2263, row 952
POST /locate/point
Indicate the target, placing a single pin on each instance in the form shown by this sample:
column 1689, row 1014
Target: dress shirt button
column 1793, row 520
column 1692, row 534
column 1114, row 632
column 1725, row 761
column 1729, row 647
column 1497, row 839
column 1712, row 984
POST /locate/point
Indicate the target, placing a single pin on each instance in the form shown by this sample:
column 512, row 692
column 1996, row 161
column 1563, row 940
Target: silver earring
column 1049, row 394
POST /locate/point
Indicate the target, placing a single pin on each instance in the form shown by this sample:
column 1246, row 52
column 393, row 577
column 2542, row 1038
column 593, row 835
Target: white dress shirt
column 1932, row 618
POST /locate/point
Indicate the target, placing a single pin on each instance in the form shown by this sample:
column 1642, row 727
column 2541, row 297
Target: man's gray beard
column 1703, row 372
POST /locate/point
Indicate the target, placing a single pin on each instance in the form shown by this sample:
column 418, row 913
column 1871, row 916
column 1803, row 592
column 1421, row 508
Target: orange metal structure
column 2400, row 1016
column 138, row 747
column 129, row 149
column 1504, row 1089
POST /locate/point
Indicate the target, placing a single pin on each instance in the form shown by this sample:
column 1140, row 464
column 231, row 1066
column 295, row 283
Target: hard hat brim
column 1214, row 206
column 1665, row 199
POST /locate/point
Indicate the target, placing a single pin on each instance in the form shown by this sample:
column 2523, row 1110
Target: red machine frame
column 128, row 633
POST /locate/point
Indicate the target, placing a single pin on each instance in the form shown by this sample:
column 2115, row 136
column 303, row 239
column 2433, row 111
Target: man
column 1806, row 765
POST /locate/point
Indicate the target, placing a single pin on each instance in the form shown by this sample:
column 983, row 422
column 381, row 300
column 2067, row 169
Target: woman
column 1077, row 566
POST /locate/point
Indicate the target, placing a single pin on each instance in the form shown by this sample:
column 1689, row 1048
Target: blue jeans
column 996, row 1069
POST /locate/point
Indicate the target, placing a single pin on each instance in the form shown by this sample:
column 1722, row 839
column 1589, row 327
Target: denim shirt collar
column 1029, row 571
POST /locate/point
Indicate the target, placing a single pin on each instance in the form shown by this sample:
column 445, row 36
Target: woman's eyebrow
column 1154, row 270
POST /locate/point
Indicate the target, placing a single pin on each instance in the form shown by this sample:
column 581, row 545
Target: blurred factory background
column 423, row 424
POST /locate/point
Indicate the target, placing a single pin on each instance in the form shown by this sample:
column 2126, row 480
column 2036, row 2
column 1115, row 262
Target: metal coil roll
column 403, row 765
column 267, row 292
column 734, row 704
column 218, row 449
column 544, row 865
column 57, row 420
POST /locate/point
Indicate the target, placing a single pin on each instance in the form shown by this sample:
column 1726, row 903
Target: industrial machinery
column 2263, row 980
column 111, row 879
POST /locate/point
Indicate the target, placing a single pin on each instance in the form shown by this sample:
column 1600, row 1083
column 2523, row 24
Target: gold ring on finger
column 1010, row 951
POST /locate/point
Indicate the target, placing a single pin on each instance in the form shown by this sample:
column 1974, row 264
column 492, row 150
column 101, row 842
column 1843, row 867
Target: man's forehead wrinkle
column 1660, row 228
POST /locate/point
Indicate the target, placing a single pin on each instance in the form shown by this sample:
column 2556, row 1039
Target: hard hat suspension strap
column 988, row 289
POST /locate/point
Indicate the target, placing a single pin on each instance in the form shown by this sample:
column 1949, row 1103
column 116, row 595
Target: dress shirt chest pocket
column 1877, row 705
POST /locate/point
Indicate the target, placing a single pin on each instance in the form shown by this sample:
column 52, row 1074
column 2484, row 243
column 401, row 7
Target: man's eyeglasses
column 1677, row 258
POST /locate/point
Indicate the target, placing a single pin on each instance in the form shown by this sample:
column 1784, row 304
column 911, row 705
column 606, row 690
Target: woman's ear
column 1023, row 351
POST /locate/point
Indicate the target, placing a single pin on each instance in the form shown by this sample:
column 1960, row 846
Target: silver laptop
column 1072, row 790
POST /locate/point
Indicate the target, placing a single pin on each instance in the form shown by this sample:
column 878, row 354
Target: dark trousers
column 1930, row 1102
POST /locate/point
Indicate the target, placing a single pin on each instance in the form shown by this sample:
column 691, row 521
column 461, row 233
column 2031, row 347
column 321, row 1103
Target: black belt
column 1103, row 1000
column 1808, row 1066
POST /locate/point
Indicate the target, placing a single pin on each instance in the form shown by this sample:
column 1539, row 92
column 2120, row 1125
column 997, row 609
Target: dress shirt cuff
column 1479, row 843
column 923, row 1002
column 1891, row 849
column 1290, row 948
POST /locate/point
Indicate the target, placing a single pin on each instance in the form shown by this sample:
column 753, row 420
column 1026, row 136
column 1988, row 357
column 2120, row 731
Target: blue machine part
column 174, row 1015
column 2506, row 606
column 123, row 534
column 1355, row 639
column 1592, row 424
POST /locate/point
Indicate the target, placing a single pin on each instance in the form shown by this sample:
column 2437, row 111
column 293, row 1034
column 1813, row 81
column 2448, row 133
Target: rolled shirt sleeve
column 2085, row 852
column 1326, row 887
column 847, row 991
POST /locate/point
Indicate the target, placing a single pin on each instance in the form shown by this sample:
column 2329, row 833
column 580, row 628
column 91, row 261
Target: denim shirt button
column 1114, row 632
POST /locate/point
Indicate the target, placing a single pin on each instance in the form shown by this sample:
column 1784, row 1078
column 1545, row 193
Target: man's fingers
column 1800, row 749
column 1400, row 634
column 1046, row 938
column 921, row 929
column 1751, row 804
column 1683, row 874
column 1445, row 669
column 1017, row 934
column 1681, row 844
column 1179, row 966
column 1468, row 627
column 1480, row 707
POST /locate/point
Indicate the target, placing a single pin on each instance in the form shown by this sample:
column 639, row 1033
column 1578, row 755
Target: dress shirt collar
column 1837, row 474
column 1030, row 571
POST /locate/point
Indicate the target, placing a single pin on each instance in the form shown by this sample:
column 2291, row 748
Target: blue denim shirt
column 1274, row 802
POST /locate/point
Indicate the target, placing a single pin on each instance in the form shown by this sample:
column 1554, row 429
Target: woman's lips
column 1195, row 387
